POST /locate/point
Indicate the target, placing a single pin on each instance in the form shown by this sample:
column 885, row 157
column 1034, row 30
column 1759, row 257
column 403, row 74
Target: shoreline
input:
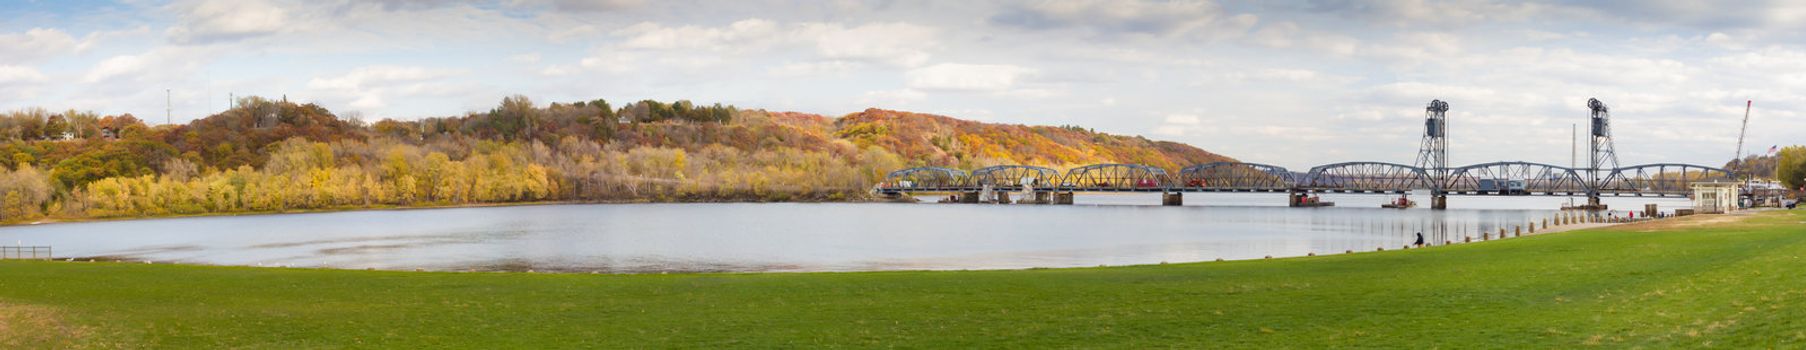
column 1568, row 282
column 393, row 208
column 570, row 270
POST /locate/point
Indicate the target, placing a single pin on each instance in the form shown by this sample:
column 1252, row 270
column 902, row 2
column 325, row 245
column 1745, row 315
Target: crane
column 1740, row 133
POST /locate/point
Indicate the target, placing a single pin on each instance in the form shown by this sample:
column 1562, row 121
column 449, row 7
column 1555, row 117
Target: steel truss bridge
column 1653, row 180
column 1602, row 178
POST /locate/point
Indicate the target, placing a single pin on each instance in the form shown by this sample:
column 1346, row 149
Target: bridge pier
column 1041, row 197
column 1172, row 198
column 1439, row 201
column 968, row 197
column 1003, row 197
column 1062, row 198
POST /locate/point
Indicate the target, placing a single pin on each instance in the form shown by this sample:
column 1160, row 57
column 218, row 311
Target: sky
column 1289, row 83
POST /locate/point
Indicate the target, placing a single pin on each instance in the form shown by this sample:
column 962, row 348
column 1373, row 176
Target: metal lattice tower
column 1604, row 157
column 1433, row 156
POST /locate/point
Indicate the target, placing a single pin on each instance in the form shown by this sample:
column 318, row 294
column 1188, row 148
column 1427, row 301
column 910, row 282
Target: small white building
column 1714, row 197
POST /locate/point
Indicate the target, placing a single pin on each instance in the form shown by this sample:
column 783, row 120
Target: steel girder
column 1236, row 176
column 1115, row 176
column 1369, row 177
column 1537, row 177
column 1014, row 176
column 1660, row 178
column 925, row 177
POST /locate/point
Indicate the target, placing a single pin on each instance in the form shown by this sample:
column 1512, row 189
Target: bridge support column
column 1439, row 201
column 1043, row 197
column 1593, row 202
column 1172, row 198
column 968, row 197
column 1063, row 198
column 1002, row 197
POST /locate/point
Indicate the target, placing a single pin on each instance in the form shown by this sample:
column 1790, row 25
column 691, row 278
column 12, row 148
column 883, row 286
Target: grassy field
column 1714, row 281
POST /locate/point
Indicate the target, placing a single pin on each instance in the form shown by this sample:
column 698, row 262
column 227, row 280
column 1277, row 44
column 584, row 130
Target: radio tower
column 1604, row 157
column 1433, row 155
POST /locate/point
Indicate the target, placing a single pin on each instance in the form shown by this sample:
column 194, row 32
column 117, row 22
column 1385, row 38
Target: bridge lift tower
column 1433, row 155
column 1604, row 156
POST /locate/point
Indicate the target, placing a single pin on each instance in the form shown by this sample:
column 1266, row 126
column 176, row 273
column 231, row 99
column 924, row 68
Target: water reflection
column 791, row 237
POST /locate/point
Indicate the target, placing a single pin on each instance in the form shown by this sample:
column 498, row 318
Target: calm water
column 1101, row 230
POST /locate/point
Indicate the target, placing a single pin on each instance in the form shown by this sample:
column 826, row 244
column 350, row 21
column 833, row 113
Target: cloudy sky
column 1289, row 83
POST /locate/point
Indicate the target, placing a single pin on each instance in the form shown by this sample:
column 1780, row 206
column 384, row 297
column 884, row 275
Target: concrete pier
column 1172, row 198
column 1062, row 198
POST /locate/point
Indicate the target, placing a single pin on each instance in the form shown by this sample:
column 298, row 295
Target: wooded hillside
column 266, row 155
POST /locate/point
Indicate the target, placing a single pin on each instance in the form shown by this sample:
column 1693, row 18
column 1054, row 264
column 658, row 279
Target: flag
column 1773, row 149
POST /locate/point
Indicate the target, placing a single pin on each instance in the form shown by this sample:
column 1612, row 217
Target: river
column 1101, row 229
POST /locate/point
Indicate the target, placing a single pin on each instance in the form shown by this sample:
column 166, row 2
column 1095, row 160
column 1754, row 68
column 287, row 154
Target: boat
column 1304, row 201
column 1407, row 205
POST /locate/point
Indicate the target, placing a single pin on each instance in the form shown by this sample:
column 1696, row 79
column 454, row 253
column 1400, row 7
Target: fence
column 25, row 252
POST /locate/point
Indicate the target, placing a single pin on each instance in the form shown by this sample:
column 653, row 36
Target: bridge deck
column 1265, row 190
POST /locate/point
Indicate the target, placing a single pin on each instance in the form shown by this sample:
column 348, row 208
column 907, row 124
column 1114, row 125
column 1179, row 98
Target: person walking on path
column 1419, row 242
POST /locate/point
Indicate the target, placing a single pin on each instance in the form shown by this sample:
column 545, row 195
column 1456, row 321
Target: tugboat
column 1401, row 203
column 1306, row 200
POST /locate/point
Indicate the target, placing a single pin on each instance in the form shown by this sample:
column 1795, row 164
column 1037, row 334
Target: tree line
column 272, row 155
column 267, row 155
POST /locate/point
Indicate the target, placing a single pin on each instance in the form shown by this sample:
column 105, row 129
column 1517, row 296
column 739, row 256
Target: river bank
column 1698, row 281
column 65, row 220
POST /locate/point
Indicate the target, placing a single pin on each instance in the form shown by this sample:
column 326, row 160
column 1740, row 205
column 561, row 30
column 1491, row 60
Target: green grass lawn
column 1690, row 282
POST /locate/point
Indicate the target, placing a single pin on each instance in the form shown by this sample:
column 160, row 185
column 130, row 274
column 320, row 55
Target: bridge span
column 1603, row 176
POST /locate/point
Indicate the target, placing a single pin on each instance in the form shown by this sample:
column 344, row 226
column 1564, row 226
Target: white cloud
column 371, row 87
column 581, row 6
column 807, row 69
column 18, row 82
column 37, row 44
column 966, row 77
column 525, row 58
column 1127, row 17
column 744, row 35
column 1291, row 35
column 1182, row 119
column 891, row 98
column 901, row 44
column 208, row 21
column 116, row 66
column 609, row 61
column 896, row 43
column 1408, row 13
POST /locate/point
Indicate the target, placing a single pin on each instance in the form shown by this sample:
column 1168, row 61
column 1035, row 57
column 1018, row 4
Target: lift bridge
column 1601, row 177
